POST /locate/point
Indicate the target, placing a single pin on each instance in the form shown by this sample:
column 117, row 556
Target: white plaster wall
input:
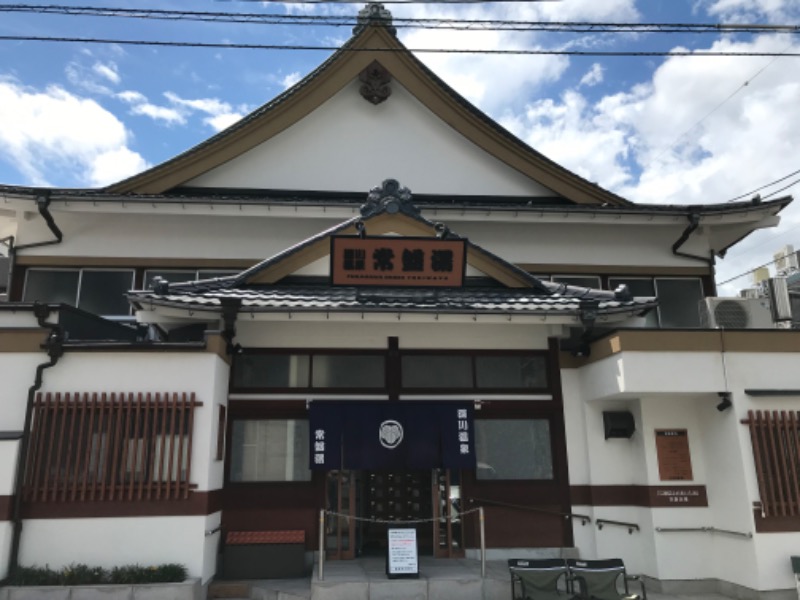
column 679, row 390
column 9, row 449
column 411, row 335
column 5, row 547
column 21, row 318
column 354, row 145
column 111, row 542
column 17, row 374
column 211, row 545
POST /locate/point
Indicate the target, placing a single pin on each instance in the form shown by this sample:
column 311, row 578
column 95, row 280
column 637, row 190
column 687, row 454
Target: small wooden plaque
column 674, row 458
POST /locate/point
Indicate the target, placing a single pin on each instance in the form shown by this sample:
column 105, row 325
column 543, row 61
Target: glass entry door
column 449, row 530
column 340, row 524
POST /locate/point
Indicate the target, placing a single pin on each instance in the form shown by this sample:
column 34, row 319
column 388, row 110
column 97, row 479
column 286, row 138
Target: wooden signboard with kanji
column 674, row 459
column 397, row 261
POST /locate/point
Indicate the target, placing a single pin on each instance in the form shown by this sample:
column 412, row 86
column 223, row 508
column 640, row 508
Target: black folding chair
column 602, row 579
column 538, row 579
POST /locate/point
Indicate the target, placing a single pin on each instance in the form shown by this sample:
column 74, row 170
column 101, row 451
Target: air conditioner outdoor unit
column 736, row 313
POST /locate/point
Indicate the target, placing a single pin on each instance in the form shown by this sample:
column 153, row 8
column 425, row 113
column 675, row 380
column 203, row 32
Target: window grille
column 110, row 447
column 775, row 436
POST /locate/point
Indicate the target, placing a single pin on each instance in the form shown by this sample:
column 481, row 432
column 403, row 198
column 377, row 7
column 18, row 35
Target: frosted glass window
column 436, row 371
column 514, row 371
column 52, row 286
column 270, row 450
column 679, row 302
column 349, row 371
column 513, row 449
column 271, row 371
column 103, row 292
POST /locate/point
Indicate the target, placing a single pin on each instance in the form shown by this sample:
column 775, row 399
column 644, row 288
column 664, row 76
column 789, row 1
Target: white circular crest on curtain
column 390, row 434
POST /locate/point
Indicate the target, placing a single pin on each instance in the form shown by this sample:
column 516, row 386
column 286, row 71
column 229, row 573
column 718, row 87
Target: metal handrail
column 744, row 534
column 584, row 518
column 630, row 526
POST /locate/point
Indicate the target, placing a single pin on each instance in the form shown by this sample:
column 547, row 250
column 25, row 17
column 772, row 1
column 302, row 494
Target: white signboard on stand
column 403, row 558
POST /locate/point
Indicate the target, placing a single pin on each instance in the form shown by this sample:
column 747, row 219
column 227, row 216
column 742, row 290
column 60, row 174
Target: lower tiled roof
column 390, row 299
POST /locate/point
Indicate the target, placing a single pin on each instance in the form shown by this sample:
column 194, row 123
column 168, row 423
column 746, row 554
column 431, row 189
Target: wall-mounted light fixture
column 724, row 402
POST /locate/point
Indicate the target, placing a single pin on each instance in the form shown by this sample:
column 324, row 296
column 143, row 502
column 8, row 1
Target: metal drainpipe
column 43, row 205
column 694, row 223
column 55, row 349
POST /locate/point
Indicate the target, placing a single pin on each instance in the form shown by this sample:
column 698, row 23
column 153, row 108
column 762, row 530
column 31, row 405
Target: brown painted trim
column 636, row 495
column 775, row 524
column 135, row 262
column 614, row 270
column 198, row 504
column 693, row 340
column 6, row 502
column 22, row 339
column 340, row 70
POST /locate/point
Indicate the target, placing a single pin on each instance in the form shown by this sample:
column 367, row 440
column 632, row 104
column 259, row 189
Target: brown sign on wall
column 674, row 459
column 397, row 261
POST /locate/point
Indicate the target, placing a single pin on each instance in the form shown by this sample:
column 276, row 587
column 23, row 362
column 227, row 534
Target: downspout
column 55, row 349
column 694, row 223
column 43, row 204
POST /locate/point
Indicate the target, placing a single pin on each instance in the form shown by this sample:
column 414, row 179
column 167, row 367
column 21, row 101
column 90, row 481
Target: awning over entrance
column 391, row 435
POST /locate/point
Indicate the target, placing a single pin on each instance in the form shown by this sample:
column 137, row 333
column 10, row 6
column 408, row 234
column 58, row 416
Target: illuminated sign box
column 397, row 261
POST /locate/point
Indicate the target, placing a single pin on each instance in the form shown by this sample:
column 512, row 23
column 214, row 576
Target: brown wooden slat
column 81, row 449
column 162, row 439
column 148, row 445
column 50, row 408
column 189, row 433
column 87, row 474
column 115, row 447
column 137, row 447
column 34, row 454
column 777, row 484
column 786, row 449
column 792, row 451
column 763, row 432
column 123, row 481
column 70, row 447
column 180, row 478
column 54, row 467
column 171, row 457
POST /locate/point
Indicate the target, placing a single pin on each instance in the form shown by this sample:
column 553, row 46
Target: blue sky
column 653, row 129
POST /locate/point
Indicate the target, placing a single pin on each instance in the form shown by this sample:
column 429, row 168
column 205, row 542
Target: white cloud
column 220, row 114
column 593, row 76
column 84, row 79
column 495, row 82
column 693, row 133
column 142, row 107
column 107, row 71
column 778, row 11
column 43, row 132
column 291, row 79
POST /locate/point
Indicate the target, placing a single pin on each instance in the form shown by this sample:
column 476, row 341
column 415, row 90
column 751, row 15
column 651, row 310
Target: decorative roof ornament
column 374, row 14
column 375, row 80
column 389, row 197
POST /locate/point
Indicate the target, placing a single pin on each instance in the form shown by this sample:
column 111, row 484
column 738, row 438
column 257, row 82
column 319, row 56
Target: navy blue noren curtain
column 406, row 435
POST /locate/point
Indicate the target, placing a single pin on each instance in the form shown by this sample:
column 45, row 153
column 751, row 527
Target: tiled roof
column 390, row 299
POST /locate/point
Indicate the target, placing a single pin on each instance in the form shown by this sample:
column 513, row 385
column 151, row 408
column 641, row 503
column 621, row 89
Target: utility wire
column 534, row 52
column 422, row 23
column 770, row 184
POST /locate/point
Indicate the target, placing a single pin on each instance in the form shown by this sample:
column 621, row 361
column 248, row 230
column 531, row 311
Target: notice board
column 674, row 459
column 402, row 558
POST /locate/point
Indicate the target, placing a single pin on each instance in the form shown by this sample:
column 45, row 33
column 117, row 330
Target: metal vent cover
column 731, row 314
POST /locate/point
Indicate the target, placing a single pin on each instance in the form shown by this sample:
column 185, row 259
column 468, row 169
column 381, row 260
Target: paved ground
column 365, row 579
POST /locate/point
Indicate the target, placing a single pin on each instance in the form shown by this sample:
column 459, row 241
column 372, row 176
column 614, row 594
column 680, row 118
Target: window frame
column 80, row 271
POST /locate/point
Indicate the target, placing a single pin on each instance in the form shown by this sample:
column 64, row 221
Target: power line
column 758, row 189
column 429, row 22
column 533, row 52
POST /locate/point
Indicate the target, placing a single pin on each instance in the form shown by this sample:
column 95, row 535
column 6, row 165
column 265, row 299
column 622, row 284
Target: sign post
column 402, row 558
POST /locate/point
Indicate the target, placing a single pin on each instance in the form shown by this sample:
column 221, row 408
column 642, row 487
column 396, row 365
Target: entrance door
column 340, row 524
column 404, row 497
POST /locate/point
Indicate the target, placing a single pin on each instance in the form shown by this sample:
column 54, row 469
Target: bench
column 277, row 554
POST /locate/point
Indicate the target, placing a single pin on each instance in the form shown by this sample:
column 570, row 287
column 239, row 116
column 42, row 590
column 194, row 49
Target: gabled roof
column 388, row 210
column 375, row 41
